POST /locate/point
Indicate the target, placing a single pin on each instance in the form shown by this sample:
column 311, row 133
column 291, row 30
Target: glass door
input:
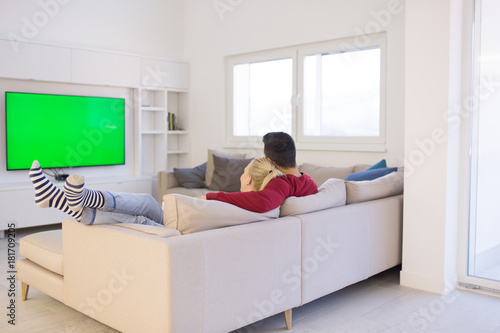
column 483, row 268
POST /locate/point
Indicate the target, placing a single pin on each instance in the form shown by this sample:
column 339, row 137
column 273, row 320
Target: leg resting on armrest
column 24, row 290
column 288, row 319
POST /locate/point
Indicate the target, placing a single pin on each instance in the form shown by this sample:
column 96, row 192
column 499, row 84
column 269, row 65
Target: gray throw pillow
column 227, row 173
column 210, row 162
column 191, row 177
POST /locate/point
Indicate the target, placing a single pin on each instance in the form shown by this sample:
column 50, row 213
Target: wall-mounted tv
column 63, row 131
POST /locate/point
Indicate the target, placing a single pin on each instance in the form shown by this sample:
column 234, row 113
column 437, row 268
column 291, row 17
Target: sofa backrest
column 321, row 174
column 366, row 190
column 332, row 193
column 188, row 214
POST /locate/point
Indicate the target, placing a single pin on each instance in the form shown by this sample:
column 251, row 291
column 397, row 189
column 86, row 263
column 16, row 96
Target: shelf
column 177, row 132
column 153, row 132
column 175, row 152
column 153, row 108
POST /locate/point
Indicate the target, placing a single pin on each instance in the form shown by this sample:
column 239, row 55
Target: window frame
column 256, row 57
column 297, row 54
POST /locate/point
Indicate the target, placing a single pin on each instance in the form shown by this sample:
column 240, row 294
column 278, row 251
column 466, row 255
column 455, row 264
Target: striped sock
column 80, row 197
column 48, row 195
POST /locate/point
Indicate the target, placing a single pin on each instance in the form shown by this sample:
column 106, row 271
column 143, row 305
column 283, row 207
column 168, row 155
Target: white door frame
column 470, row 82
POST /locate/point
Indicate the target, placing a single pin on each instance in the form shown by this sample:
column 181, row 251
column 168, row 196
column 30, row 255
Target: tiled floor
column 376, row 305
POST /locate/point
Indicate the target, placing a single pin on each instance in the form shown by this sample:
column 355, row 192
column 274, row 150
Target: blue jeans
column 139, row 208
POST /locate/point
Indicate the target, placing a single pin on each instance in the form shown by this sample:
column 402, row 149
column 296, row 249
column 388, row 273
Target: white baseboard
column 429, row 283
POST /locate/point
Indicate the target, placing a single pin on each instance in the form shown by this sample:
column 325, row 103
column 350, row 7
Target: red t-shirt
column 272, row 196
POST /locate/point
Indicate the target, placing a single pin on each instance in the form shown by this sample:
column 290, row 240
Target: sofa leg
column 288, row 319
column 24, row 290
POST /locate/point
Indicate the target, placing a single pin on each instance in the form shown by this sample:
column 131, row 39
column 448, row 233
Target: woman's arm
column 271, row 197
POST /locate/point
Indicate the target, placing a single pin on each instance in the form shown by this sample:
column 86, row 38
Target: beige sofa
column 215, row 267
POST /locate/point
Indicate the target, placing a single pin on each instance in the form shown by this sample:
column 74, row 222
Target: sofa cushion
column 331, row 193
column 188, row 214
column 45, row 249
column 227, row 173
column 192, row 177
column 322, row 174
column 150, row 229
column 370, row 174
column 385, row 186
column 210, row 163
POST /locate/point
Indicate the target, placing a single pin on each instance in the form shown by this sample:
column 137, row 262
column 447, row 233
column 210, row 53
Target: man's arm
column 271, row 197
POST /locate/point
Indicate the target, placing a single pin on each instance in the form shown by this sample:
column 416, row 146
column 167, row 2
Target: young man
column 279, row 148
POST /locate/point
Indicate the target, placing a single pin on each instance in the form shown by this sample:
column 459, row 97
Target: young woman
column 101, row 207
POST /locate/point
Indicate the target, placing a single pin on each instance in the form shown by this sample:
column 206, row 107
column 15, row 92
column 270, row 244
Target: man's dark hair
column 280, row 148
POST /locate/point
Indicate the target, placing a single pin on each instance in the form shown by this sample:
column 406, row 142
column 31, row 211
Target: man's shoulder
column 304, row 182
column 305, row 178
column 309, row 186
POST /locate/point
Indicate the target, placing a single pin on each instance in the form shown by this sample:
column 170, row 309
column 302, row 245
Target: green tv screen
column 63, row 131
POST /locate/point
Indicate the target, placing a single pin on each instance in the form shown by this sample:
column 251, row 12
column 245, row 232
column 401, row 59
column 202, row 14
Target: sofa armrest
column 166, row 180
column 110, row 270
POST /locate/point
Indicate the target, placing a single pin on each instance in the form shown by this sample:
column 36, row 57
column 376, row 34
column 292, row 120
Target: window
column 253, row 101
column 332, row 85
column 327, row 95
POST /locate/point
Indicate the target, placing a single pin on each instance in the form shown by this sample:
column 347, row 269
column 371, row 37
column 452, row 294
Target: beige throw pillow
column 322, row 174
column 385, row 186
column 330, row 194
column 210, row 163
column 188, row 214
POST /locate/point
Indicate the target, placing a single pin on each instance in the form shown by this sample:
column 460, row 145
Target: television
column 63, row 131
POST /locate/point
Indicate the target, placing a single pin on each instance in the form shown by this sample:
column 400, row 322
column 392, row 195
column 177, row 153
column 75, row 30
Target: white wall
column 150, row 27
column 216, row 29
column 432, row 144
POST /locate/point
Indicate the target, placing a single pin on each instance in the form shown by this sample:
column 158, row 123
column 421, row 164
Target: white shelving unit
column 159, row 148
column 178, row 141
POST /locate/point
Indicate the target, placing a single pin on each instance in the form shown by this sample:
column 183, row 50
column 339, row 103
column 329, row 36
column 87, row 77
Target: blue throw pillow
column 378, row 165
column 370, row 174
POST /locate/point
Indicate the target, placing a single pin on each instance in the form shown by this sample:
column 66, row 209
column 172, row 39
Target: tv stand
column 61, row 177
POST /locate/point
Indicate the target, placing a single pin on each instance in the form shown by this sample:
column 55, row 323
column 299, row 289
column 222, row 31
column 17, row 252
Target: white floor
column 376, row 305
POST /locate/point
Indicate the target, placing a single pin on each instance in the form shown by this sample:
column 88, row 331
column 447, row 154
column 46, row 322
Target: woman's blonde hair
column 262, row 172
